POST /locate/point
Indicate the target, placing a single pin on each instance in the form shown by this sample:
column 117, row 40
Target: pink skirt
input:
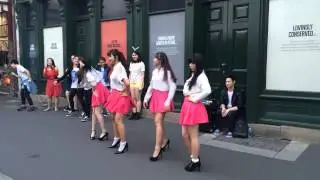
column 157, row 101
column 192, row 113
column 117, row 103
column 99, row 95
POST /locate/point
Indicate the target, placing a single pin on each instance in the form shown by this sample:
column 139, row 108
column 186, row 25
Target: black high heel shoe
column 104, row 137
column 125, row 149
column 158, row 157
column 93, row 135
column 191, row 167
column 115, row 145
column 166, row 146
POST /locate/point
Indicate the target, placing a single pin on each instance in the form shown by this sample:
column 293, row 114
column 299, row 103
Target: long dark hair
column 164, row 62
column 87, row 67
column 139, row 57
column 118, row 55
column 197, row 60
column 53, row 63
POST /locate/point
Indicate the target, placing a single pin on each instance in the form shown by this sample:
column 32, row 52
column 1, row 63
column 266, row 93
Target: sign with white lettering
column 293, row 57
column 167, row 35
column 53, row 46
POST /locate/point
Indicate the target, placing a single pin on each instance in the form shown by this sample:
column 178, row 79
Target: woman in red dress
column 53, row 90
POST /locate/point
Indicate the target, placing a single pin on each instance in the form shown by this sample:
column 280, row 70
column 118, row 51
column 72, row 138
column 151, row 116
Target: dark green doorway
column 82, row 39
column 226, row 41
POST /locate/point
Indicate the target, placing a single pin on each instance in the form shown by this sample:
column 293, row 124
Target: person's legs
column 137, row 96
column 186, row 138
column 231, row 121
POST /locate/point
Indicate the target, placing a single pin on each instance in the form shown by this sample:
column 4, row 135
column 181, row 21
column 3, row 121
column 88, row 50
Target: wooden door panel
column 238, row 16
column 82, row 39
column 216, row 37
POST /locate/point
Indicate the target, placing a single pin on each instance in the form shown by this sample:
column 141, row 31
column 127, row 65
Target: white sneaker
column 216, row 133
column 229, row 135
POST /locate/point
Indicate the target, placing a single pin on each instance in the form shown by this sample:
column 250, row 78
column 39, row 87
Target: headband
column 135, row 48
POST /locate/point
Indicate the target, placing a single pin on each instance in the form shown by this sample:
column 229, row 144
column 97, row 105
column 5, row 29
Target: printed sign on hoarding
column 167, row 35
column 114, row 36
column 293, row 57
column 53, row 46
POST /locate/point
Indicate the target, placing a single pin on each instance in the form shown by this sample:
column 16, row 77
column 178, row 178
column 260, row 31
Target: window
column 164, row 5
column 52, row 14
column 114, row 9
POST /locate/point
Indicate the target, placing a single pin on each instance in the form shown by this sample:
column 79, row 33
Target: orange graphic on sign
column 113, row 36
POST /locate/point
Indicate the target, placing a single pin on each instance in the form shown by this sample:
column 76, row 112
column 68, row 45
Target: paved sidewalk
column 47, row 145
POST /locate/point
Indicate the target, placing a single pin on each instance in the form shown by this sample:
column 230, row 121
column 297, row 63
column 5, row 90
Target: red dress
column 51, row 75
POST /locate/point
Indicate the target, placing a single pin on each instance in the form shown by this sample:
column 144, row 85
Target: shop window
column 165, row 5
column 113, row 9
column 52, row 14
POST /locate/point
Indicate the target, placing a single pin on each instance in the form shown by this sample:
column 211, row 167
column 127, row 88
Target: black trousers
column 74, row 92
column 25, row 94
column 86, row 99
column 227, row 122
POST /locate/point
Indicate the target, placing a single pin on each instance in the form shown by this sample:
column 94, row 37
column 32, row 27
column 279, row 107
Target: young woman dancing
column 193, row 112
column 119, row 103
column 160, row 93
column 92, row 80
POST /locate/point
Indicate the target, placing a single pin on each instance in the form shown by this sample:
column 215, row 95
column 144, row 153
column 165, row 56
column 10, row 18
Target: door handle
column 223, row 67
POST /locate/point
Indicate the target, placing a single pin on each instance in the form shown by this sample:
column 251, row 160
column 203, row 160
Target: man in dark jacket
column 230, row 106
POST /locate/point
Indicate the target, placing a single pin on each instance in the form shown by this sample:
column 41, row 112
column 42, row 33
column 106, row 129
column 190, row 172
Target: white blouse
column 136, row 71
column 200, row 90
column 158, row 83
column 117, row 76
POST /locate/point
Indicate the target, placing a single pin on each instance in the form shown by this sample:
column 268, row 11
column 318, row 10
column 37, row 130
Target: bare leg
column 158, row 122
column 194, row 136
column 134, row 110
column 186, row 138
column 49, row 104
column 120, row 126
column 93, row 125
column 137, row 96
column 98, row 113
column 56, row 103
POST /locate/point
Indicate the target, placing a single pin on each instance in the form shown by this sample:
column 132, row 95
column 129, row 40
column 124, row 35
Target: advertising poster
column 293, row 56
column 113, row 36
column 53, row 46
column 169, row 37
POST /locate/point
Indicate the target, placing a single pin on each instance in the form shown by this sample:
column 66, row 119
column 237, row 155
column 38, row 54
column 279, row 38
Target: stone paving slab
column 272, row 144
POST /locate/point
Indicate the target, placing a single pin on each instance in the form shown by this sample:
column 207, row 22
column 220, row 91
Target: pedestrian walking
column 27, row 86
column 193, row 112
column 160, row 93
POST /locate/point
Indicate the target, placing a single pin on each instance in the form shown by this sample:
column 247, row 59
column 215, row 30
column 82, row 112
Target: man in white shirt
column 230, row 104
column 25, row 77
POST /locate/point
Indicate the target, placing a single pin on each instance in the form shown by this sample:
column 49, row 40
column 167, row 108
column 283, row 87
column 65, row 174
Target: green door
column 82, row 39
column 226, row 41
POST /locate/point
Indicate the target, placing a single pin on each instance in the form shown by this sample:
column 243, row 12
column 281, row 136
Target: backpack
column 241, row 129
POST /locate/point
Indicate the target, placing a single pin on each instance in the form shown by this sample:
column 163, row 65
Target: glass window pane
column 164, row 5
column 113, row 9
column 52, row 14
